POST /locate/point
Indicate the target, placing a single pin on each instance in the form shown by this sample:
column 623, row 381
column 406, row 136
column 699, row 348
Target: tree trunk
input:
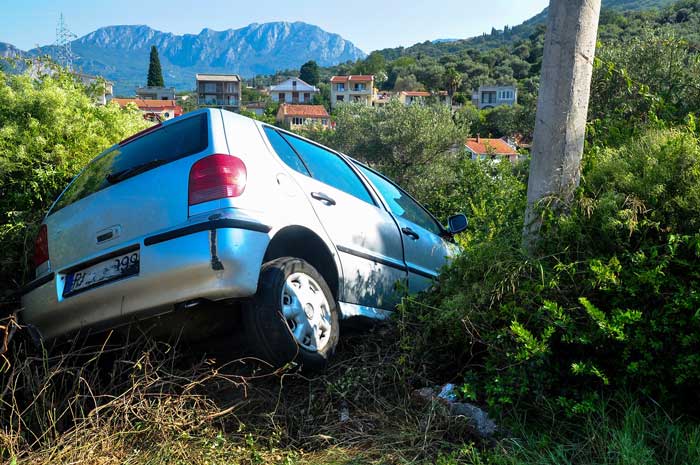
column 562, row 106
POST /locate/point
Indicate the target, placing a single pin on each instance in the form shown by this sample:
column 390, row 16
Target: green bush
column 610, row 301
column 50, row 128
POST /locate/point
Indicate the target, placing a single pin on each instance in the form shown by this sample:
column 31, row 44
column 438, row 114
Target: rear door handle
column 323, row 198
column 410, row 233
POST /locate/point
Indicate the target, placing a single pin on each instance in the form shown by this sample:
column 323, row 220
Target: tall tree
column 309, row 72
column 453, row 80
column 562, row 107
column 155, row 73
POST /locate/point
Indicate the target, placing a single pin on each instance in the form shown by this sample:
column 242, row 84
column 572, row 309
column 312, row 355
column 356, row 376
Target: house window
column 340, row 98
column 295, row 97
column 340, row 87
column 324, row 122
column 294, row 83
column 307, row 97
column 505, row 95
column 282, row 96
column 360, row 87
column 210, row 87
column 297, row 121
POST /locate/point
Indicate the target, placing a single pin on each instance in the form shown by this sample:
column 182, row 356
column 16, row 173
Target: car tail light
column 217, row 177
column 41, row 247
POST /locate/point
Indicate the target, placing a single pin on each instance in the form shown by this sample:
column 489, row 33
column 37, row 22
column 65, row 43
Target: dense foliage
column 309, row 72
column 609, row 302
column 50, row 128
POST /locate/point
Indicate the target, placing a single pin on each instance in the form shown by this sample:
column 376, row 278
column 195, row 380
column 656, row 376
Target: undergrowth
column 118, row 400
column 111, row 400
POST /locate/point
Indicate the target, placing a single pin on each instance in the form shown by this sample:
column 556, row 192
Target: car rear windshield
column 155, row 148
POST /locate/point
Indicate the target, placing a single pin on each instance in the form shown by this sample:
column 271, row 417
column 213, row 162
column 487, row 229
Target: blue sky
column 368, row 24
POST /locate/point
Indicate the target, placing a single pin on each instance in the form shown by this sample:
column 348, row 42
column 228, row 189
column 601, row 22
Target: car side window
column 400, row 203
column 285, row 151
column 329, row 168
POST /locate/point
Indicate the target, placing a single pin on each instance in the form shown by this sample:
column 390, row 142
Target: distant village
column 294, row 100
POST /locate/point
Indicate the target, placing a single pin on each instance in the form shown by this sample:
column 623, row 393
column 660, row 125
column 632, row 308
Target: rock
column 477, row 418
column 344, row 412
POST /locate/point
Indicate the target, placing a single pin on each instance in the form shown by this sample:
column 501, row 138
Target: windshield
column 163, row 145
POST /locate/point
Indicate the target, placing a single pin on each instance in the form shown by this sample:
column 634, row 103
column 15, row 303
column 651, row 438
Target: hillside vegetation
column 514, row 56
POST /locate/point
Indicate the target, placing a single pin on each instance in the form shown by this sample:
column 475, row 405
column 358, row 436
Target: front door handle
column 410, row 233
column 323, row 198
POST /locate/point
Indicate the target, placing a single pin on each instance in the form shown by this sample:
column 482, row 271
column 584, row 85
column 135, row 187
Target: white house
column 493, row 96
column 494, row 149
column 298, row 116
column 293, row 90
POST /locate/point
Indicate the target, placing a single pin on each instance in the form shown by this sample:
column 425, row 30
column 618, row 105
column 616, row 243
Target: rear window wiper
column 114, row 178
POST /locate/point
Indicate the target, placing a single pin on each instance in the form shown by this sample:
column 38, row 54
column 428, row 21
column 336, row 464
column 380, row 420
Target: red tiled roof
column 304, row 111
column 151, row 105
column 353, row 78
column 482, row 146
column 148, row 104
column 411, row 93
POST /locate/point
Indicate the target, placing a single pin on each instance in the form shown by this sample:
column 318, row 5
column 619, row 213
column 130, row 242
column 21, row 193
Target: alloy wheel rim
column 306, row 311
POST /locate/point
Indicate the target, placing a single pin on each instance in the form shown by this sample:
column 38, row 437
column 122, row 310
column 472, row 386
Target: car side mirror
column 457, row 223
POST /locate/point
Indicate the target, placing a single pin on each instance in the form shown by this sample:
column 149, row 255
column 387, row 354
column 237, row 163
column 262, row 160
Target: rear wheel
column 293, row 316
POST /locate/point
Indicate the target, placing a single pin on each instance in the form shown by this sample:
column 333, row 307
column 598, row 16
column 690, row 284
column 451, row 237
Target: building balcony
column 219, row 102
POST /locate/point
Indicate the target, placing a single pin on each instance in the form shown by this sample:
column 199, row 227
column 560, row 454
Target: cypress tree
column 155, row 74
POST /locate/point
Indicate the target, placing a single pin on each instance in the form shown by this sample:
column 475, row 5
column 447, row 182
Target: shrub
column 50, row 128
column 610, row 301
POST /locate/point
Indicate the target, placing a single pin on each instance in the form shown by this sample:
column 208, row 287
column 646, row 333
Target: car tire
column 293, row 316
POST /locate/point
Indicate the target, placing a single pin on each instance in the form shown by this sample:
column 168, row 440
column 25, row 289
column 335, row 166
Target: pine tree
column 155, row 74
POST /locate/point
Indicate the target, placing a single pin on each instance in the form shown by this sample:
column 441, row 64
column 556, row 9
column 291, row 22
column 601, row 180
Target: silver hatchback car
column 217, row 207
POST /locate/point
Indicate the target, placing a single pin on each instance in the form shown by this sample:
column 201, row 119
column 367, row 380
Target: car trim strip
column 38, row 282
column 419, row 272
column 373, row 258
column 206, row 226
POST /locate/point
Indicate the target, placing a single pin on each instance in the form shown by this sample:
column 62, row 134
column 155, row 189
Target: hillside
column 120, row 53
column 509, row 35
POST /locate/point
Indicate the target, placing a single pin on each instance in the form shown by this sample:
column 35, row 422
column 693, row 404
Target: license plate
column 115, row 268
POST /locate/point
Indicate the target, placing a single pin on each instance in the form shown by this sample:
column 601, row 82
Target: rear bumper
column 214, row 260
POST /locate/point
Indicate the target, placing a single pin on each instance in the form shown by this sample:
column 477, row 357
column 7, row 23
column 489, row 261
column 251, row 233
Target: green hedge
column 50, row 127
column 611, row 300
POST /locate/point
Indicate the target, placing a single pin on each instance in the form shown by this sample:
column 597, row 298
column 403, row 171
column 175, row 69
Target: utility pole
column 562, row 105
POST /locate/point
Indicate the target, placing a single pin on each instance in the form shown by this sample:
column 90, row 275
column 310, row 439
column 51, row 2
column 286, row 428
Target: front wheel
column 293, row 316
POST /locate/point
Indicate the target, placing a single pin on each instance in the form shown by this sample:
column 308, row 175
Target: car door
column 425, row 249
column 366, row 237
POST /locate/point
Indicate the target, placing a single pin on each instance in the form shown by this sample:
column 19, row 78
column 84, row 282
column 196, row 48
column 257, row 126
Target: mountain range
column 121, row 53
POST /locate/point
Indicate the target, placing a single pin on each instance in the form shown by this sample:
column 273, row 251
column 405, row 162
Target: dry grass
column 143, row 401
